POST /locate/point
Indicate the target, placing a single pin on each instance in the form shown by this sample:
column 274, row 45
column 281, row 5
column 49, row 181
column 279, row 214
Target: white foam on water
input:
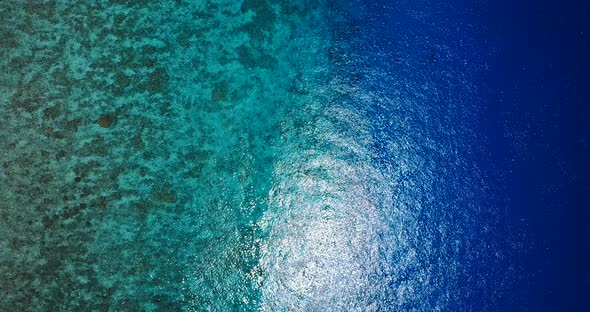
column 324, row 222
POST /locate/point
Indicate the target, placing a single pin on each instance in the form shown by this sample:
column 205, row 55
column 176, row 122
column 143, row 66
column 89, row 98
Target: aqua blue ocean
column 257, row 155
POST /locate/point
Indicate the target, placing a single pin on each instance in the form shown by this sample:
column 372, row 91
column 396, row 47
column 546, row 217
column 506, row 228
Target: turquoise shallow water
column 143, row 139
column 207, row 155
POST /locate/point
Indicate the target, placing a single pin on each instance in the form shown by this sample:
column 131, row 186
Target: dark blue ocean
column 524, row 70
column 257, row 155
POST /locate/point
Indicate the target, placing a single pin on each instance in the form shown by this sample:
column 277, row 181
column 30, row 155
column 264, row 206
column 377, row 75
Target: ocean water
column 221, row 155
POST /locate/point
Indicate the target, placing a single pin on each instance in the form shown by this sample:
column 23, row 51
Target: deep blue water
column 527, row 63
column 538, row 132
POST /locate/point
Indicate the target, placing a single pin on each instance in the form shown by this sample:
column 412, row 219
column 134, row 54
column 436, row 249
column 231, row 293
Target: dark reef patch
column 105, row 121
column 157, row 81
column 264, row 19
column 219, row 92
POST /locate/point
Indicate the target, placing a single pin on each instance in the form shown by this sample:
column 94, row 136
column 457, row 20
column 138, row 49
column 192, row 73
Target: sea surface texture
column 253, row 155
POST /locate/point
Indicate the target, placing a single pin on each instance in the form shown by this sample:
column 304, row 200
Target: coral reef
column 127, row 127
